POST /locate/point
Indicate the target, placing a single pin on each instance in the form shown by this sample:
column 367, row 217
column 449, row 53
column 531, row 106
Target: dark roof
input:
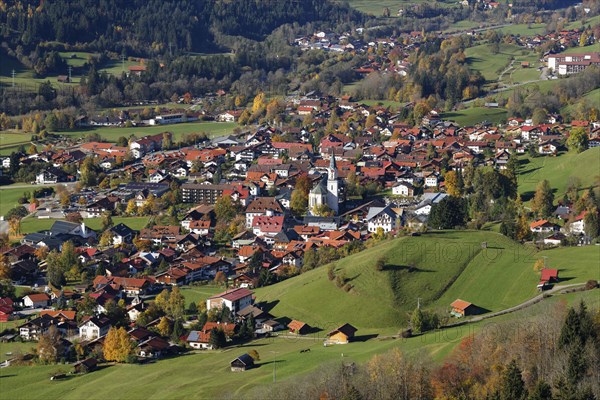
column 122, row 230
column 63, row 227
column 346, row 329
column 245, row 359
column 321, row 188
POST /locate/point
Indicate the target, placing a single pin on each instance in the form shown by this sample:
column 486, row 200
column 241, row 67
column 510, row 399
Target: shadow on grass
column 526, row 196
column 409, row 268
column 268, row 362
column 268, row 305
column 364, row 338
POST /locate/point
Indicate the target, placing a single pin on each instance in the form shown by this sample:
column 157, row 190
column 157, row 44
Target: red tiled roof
column 234, row 294
column 460, row 304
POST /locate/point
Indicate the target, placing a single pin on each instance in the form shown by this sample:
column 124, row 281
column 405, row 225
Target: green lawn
column 523, row 29
column 592, row 47
column 557, row 171
column 198, row 293
column 575, row 264
column 395, row 105
column 9, row 197
column 117, row 67
column 375, row 7
column 25, row 76
column 471, row 116
column 578, row 24
column 482, row 59
column 464, row 25
column 591, row 98
column 205, row 375
column 28, row 78
column 33, row 224
column 212, row 129
column 11, row 141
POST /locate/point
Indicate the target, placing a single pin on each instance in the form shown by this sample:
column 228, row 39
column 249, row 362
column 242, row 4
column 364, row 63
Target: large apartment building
column 566, row 64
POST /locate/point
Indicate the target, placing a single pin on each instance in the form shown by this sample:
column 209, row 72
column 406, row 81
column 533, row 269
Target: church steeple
column 332, row 170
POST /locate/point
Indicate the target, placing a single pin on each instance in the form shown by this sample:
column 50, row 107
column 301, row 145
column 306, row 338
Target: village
column 151, row 243
column 256, row 208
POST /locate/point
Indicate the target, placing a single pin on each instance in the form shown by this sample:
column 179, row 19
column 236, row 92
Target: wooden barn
column 242, row 363
column 341, row 335
column 298, row 327
column 461, row 308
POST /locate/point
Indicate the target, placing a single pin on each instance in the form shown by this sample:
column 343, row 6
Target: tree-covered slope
column 152, row 26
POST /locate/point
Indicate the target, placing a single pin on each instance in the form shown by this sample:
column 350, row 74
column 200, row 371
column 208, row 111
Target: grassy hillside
column 206, row 374
column 472, row 116
column 557, row 171
column 447, row 265
column 375, row 7
column 576, row 264
column 33, row 224
column 212, row 129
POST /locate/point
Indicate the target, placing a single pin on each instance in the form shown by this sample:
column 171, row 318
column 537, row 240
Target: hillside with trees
column 156, row 27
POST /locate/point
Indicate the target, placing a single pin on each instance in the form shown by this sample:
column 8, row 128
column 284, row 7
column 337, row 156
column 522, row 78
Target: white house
column 36, row 300
column 157, row 176
column 428, row 199
column 382, row 217
column 94, row 328
column 431, row 181
column 403, row 189
column 577, row 226
column 542, row 226
column 235, row 299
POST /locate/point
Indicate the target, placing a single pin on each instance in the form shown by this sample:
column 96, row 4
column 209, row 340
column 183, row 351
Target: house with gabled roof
column 94, row 327
column 298, row 327
column 36, row 300
column 341, row 335
column 234, row 299
column 262, row 206
column 242, row 363
column 461, row 308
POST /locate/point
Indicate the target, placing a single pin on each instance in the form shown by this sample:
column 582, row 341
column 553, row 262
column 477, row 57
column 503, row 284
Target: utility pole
column 122, row 62
column 274, row 367
column 13, row 78
column 418, row 303
column 70, row 70
column 544, row 257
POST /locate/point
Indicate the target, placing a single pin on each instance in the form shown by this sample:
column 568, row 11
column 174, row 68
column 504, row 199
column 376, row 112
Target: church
column 328, row 192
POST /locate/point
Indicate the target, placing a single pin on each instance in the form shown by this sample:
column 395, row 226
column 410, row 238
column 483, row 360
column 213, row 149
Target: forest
column 152, row 27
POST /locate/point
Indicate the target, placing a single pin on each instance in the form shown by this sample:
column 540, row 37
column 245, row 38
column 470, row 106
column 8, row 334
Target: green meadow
column 111, row 134
column 474, row 115
column 206, row 374
column 558, row 170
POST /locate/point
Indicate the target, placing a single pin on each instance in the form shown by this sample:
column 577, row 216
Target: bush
column 380, row 264
column 331, row 272
column 340, row 280
column 591, row 284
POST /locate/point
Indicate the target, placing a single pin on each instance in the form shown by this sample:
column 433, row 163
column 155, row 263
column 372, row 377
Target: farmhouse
column 341, row 335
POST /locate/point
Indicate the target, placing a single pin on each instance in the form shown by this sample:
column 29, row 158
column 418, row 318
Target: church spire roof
column 332, row 165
